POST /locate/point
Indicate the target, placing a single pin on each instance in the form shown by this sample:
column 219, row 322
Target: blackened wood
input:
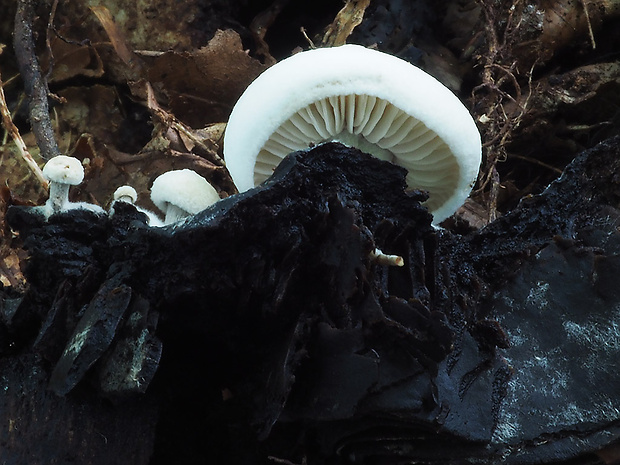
column 280, row 337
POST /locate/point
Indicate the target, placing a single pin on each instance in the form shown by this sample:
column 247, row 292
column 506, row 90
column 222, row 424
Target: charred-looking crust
column 262, row 328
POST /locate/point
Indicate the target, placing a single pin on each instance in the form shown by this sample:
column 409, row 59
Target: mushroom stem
column 174, row 214
column 59, row 196
column 383, row 259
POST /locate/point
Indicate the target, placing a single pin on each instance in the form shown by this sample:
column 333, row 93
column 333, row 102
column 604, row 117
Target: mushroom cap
column 64, row 170
column 364, row 98
column 126, row 191
column 185, row 189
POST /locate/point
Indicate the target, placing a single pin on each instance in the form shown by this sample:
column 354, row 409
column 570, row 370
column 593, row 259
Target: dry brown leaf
column 92, row 110
column 117, row 37
column 10, row 258
column 214, row 133
column 203, row 86
column 13, row 131
column 474, row 215
column 176, row 135
column 10, row 270
column 72, row 59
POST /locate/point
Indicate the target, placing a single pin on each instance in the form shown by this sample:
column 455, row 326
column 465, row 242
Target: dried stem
column 34, row 83
column 171, row 122
column 259, row 26
column 501, row 94
column 347, row 19
column 10, row 127
column 590, row 31
column 48, row 41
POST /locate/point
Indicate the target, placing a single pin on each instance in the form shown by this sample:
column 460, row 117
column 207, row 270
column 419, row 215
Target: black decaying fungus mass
column 260, row 330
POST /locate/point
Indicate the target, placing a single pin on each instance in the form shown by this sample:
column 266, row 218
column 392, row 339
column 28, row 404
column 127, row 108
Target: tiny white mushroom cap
column 182, row 192
column 363, row 98
column 64, row 170
column 126, row 194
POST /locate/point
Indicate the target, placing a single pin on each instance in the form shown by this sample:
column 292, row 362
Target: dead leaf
column 91, row 110
column 72, row 59
column 10, row 257
column 203, row 86
column 117, row 37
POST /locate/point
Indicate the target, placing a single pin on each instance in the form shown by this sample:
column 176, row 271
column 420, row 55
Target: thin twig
column 34, row 83
column 308, row 39
column 48, row 41
column 537, row 162
column 590, row 31
column 259, row 26
column 284, row 461
column 17, row 138
column 171, row 122
column 493, row 194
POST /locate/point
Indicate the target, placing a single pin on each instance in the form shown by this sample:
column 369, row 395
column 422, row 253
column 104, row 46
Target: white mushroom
column 363, row 98
column 129, row 195
column 63, row 172
column 126, row 194
column 182, row 193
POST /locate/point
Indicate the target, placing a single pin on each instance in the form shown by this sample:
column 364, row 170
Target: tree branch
column 34, row 83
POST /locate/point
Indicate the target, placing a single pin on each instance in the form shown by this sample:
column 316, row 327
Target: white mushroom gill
column 363, row 98
column 386, row 132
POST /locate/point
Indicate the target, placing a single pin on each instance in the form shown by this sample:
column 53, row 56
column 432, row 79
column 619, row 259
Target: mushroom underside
column 375, row 126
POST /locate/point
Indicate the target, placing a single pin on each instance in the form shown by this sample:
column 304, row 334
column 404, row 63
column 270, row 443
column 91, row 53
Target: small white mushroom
column 126, row 194
column 182, row 193
column 363, row 98
column 63, row 172
column 129, row 195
